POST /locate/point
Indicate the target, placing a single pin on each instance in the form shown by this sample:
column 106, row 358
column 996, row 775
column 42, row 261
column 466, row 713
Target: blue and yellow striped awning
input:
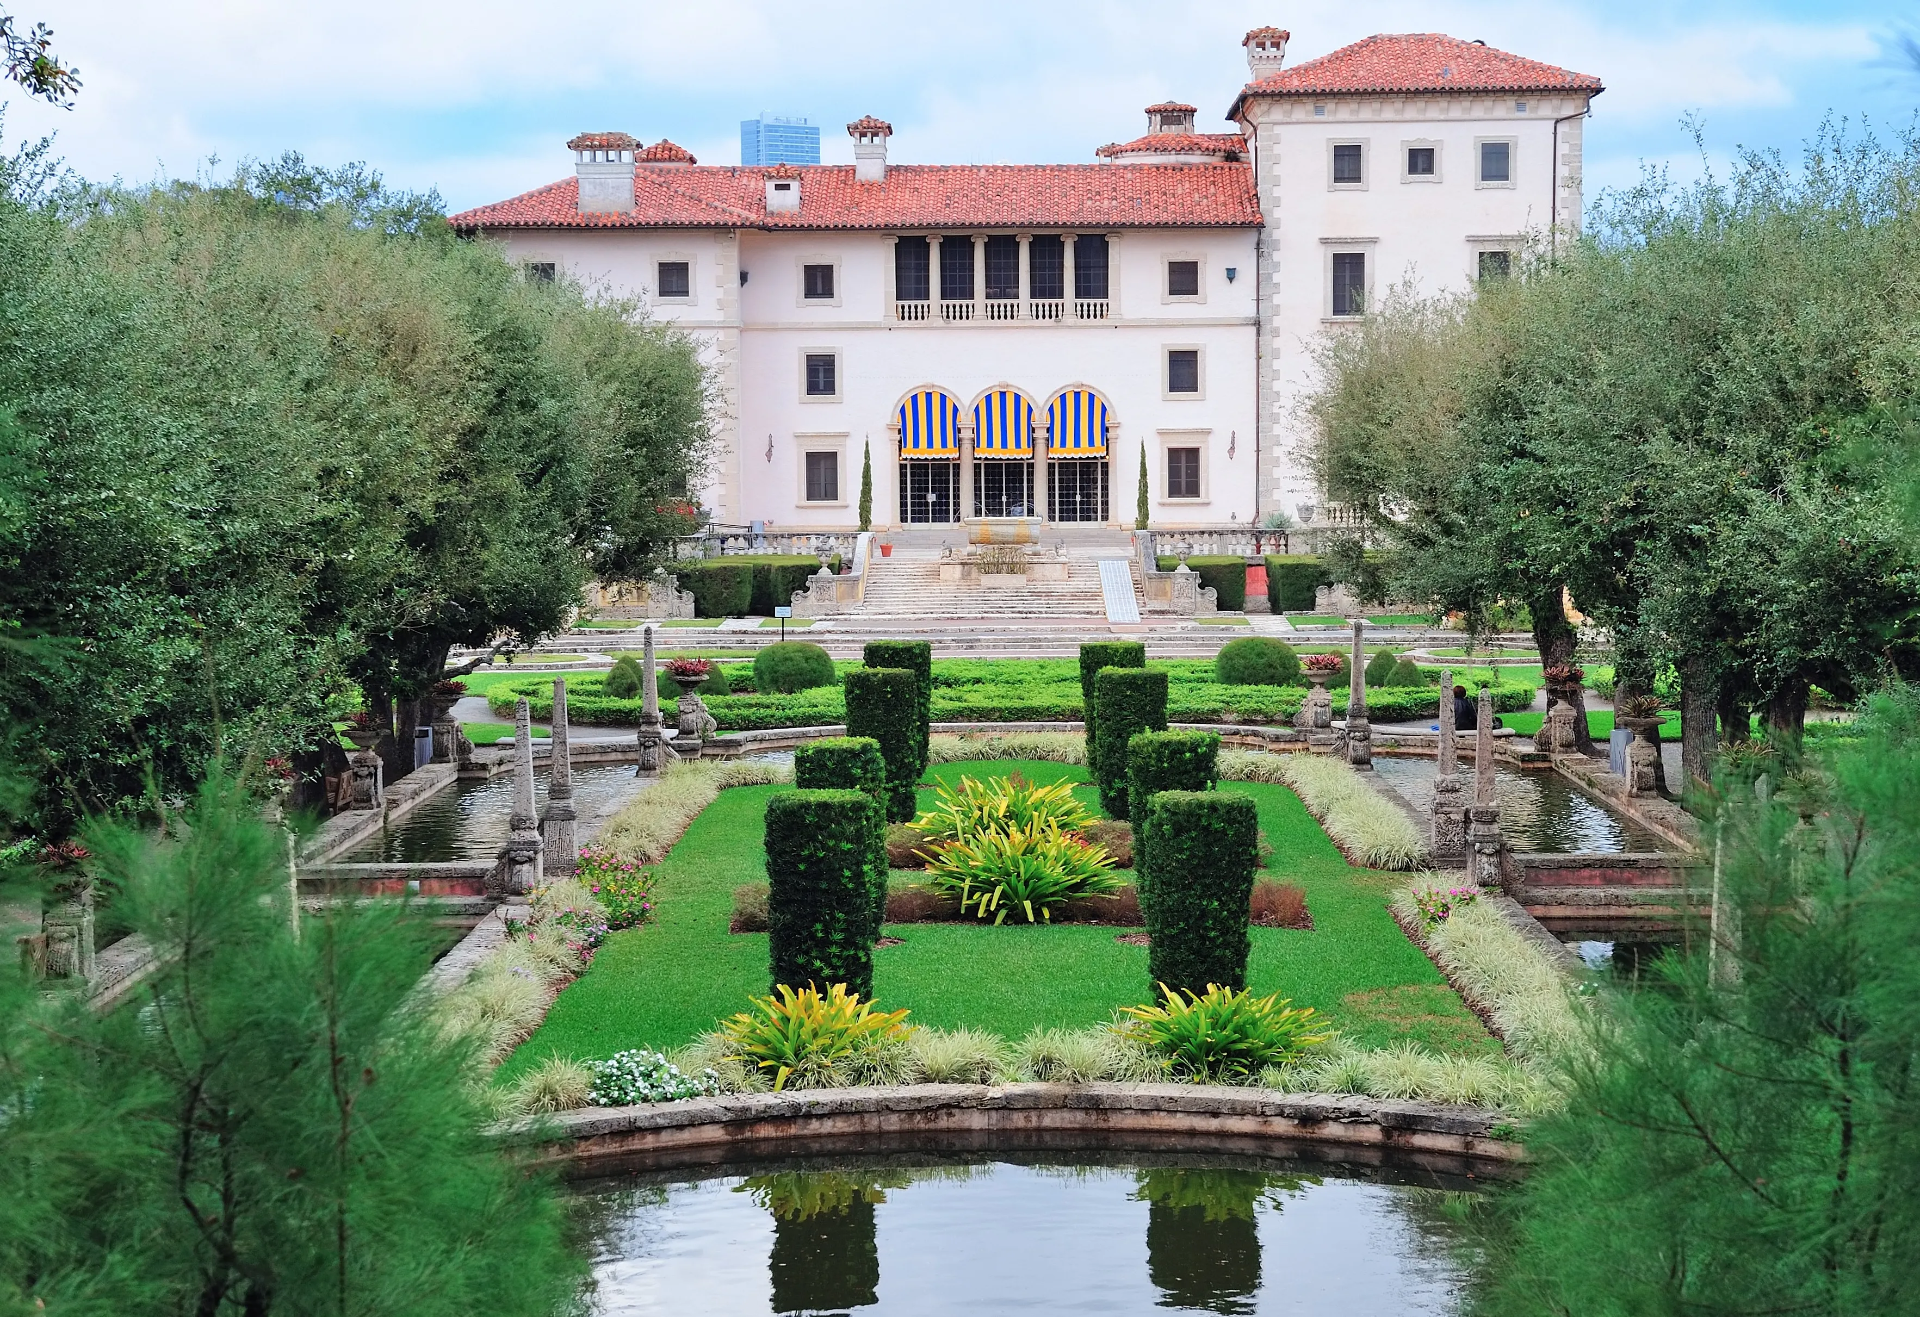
column 1079, row 424
column 929, row 422
column 1003, row 425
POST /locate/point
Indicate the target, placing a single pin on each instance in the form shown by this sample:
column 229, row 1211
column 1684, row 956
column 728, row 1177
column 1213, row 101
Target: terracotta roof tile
column 664, row 152
column 602, row 142
column 1230, row 145
column 866, row 123
column 1419, row 62
column 1172, row 107
column 913, row 196
column 784, row 169
column 1279, row 34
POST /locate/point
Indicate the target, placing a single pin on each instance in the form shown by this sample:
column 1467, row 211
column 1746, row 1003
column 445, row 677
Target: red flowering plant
column 689, row 671
column 1564, row 674
column 1321, row 663
column 63, row 854
column 447, row 690
column 623, row 889
column 280, row 768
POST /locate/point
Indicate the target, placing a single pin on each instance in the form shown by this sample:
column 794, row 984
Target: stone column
column 963, row 502
column 652, row 740
column 556, row 824
column 521, row 854
column 1042, row 443
column 66, row 927
column 1359, row 734
column 979, row 276
column 1484, row 842
column 1449, row 834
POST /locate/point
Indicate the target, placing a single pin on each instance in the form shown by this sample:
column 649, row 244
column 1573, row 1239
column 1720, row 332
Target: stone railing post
column 521, row 854
column 556, row 824
column 1449, row 831
column 1484, row 842
column 1359, row 732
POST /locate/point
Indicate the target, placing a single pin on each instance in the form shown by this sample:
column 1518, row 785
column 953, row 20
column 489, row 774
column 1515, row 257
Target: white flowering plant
column 638, row 1075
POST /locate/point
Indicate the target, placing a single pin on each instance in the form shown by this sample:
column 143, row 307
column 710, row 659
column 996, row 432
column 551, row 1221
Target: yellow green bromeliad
column 1027, row 870
column 805, row 1027
column 1001, row 804
column 1223, row 1034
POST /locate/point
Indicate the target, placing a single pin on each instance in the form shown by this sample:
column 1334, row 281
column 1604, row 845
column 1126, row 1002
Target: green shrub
column 848, row 763
column 1098, row 654
column 1406, row 673
column 1222, row 1034
column 883, row 703
column 1167, row 761
column 1293, row 580
column 1130, row 700
column 1380, row 668
column 775, row 581
column 809, row 1029
column 623, row 682
column 1020, row 874
column 1204, row 847
column 823, row 862
column 916, row 656
column 1225, row 572
column 787, row 666
column 721, row 587
column 1257, row 661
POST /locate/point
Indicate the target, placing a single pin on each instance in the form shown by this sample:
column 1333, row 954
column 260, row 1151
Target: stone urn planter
column 1643, row 755
column 363, row 738
column 1316, row 713
column 1558, row 734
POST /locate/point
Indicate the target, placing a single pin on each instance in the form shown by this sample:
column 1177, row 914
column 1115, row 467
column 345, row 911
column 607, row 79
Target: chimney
column 783, row 190
column 603, row 162
column 1170, row 117
column 1266, row 51
column 870, row 148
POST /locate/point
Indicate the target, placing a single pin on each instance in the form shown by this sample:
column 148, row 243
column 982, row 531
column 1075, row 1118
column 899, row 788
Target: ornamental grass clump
column 808, row 1031
column 1047, row 747
column 634, row 1076
column 1223, row 1034
column 1370, row 830
column 1000, row 804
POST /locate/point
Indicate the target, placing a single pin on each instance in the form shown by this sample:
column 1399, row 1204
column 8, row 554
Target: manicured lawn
column 494, row 733
column 663, row 984
column 1599, row 723
column 692, row 621
column 791, row 622
column 1222, row 621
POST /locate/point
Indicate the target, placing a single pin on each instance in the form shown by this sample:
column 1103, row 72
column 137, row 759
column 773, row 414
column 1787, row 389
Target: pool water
column 933, row 1238
column 468, row 820
column 1540, row 812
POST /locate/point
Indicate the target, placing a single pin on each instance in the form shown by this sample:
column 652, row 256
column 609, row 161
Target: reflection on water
column 1538, row 811
column 1002, row 1237
column 1629, row 964
column 468, row 820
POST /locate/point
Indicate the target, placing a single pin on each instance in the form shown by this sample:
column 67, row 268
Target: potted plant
column 443, row 695
column 363, row 730
column 886, row 550
column 1319, row 670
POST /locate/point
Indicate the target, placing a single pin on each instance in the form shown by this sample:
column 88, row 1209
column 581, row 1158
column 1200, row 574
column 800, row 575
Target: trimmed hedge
column 1204, row 847
column 823, row 866
column 1294, row 581
column 1098, row 654
column 1167, row 761
column 916, row 656
column 721, row 587
column 787, row 666
column 1380, row 668
column 883, row 703
column 1130, row 700
column 1257, row 661
column 624, row 682
column 848, row 763
column 1225, row 572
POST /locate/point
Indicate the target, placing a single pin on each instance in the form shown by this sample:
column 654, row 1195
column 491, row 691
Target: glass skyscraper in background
column 775, row 139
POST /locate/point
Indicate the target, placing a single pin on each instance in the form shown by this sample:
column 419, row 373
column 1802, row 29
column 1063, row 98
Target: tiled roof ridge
column 1388, row 62
column 868, row 123
column 665, row 152
column 1172, row 107
column 1231, row 145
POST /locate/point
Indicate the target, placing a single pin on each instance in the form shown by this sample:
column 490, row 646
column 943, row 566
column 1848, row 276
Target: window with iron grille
column 1183, row 278
column 911, row 274
column 822, row 381
column 674, row 279
column 1183, row 473
column 823, row 477
column 1003, row 267
column 1420, row 162
column 1496, row 162
column 1183, row 370
column 956, row 268
column 817, row 281
column 1349, row 283
column 1346, row 163
column 1496, row 265
column 540, row 272
column 1090, row 267
column 1047, row 267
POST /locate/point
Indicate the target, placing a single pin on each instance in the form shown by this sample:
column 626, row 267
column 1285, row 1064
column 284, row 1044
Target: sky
column 477, row 98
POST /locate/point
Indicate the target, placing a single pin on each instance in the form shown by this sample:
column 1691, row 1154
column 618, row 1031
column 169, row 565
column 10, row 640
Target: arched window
column 1078, row 421
column 1003, row 424
column 929, row 424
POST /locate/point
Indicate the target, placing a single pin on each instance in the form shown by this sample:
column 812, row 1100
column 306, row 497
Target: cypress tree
column 866, row 487
column 1140, row 503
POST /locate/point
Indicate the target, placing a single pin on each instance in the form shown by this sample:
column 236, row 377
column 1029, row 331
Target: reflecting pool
column 994, row 1236
column 468, row 820
column 1540, row 812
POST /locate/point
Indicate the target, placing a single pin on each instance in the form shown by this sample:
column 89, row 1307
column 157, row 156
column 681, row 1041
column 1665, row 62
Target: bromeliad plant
column 1223, row 1034
column 1023, row 872
column 808, row 1029
column 1003, row 805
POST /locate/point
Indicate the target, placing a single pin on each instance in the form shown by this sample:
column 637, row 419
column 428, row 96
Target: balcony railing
column 1052, row 308
column 1002, row 309
column 912, row 310
column 956, row 310
column 1091, row 308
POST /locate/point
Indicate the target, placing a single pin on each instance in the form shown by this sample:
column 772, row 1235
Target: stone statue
column 1359, row 742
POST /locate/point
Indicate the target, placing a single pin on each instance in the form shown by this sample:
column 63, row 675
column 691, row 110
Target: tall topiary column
column 820, row 880
column 1204, row 847
column 884, row 703
column 916, row 656
column 851, row 763
column 1165, row 761
column 1140, row 496
column 1098, row 654
column 866, row 487
column 1129, row 700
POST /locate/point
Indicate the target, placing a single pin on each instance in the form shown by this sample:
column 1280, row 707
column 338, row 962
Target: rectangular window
column 1183, row 473
column 674, row 280
column 1047, row 267
column 911, row 274
column 1496, row 162
column 822, row 381
column 1349, row 283
column 817, row 281
column 1183, row 370
column 1183, row 278
column 1419, row 162
column 1090, row 267
column 1496, row 265
column 540, row 272
column 1003, row 267
column 956, row 268
column 1346, row 163
column 823, row 477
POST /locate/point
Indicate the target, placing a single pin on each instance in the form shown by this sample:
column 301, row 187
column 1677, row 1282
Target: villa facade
column 1011, row 340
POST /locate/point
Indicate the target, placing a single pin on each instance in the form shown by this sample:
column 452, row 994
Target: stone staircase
column 913, row 589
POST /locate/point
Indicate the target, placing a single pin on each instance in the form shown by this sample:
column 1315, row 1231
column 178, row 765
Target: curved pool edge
column 742, row 1126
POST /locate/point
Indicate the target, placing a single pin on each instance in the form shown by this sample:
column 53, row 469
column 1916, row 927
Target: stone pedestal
column 559, row 853
column 1448, row 824
column 1316, row 714
column 521, row 856
column 1558, row 735
column 369, row 776
column 651, row 739
column 1359, row 733
column 1484, row 847
column 66, row 928
column 1643, row 756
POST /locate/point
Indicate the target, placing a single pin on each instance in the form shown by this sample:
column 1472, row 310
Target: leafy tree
column 31, row 62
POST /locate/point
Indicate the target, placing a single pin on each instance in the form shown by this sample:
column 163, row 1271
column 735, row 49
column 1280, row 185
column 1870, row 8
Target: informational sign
column 783, row 612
